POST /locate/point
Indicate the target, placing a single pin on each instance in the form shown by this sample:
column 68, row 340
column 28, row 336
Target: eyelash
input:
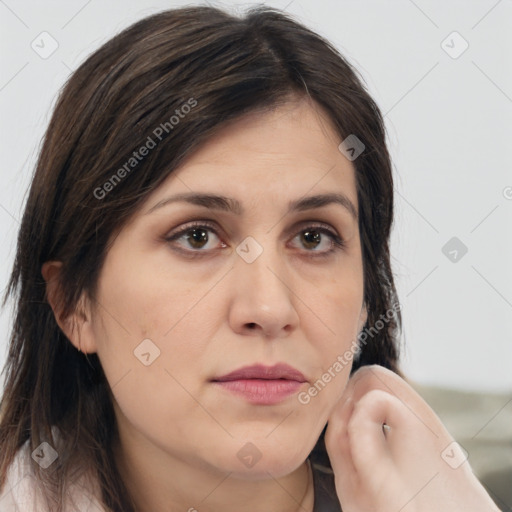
column 337, row 242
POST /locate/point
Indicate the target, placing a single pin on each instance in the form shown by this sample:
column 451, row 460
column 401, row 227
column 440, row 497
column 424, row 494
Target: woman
column 203, row 262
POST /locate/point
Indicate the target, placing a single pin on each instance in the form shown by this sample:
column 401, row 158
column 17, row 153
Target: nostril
column 252, row 325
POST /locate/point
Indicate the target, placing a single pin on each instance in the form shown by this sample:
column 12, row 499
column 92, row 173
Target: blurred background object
column 482, row 424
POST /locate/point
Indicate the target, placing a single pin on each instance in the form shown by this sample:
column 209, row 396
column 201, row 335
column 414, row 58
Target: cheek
column 148, row 303
column 332, row 326
column 338, row 303
column 153, row 375
column 146, row 333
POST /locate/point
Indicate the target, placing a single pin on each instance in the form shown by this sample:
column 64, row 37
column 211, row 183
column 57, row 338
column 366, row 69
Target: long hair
column 223, row 66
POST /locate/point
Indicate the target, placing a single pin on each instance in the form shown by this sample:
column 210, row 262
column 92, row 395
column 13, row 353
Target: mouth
column 262, row 385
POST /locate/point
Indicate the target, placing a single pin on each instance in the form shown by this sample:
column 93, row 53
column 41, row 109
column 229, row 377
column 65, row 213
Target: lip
column 262, row 385
column 260, row 371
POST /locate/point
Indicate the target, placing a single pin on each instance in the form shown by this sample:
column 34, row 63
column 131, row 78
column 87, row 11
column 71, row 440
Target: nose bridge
column 263, row 298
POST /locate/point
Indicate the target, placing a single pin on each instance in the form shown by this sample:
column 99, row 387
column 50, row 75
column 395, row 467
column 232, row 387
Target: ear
column 77, row 326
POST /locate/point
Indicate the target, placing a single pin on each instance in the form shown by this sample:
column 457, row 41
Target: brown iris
column 198, row 239
column 311, row 237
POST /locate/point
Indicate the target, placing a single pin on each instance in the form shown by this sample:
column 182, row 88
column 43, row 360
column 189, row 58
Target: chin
column 265, row 470
column 260, row 459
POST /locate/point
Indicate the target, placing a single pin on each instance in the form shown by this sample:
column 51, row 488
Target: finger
column 371, row 453
column 373, row 377
column 390, row 462
column 338, row 446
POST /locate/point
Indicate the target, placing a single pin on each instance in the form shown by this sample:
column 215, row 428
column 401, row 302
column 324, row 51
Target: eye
column 196, row 237
column 316, row 236
column 201, row 237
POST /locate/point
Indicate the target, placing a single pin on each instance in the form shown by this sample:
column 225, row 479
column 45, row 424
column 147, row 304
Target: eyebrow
column 228, row 204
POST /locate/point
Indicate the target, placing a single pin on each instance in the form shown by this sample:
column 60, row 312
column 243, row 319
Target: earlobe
column 75, row 325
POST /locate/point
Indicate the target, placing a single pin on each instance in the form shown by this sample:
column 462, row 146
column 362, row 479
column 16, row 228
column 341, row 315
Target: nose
column 263, row 299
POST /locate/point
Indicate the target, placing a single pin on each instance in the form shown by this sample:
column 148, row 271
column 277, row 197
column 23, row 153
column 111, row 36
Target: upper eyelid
column 213, row 226
column 338, row 241
column 299, row 227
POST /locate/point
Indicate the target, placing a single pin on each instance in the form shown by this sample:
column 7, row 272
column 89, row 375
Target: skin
column 180, row 434
column 209, row 315
column 415, row 466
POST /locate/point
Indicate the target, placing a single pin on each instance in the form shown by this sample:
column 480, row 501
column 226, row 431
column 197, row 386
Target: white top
column 21, row 492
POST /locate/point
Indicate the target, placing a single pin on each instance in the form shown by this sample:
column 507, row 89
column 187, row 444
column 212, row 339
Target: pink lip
column 259, row 371
column 264, row 385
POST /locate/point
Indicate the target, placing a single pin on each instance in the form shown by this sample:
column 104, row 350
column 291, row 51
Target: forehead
column 281, row 154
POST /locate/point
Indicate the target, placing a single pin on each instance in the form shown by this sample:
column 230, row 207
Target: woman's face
column 256, row 283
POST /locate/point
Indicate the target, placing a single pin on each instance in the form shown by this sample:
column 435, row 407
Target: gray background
column 448, row 117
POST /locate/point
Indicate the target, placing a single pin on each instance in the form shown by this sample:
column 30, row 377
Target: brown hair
column 229, row 66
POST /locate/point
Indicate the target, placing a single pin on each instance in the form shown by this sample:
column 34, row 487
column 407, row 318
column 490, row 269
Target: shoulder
column 22, row 492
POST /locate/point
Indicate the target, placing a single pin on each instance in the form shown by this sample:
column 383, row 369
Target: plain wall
column 449, row 123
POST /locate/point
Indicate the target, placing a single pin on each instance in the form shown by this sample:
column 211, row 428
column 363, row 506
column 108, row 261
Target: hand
column 400, row 468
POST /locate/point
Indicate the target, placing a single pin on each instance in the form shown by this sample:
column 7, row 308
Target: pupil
column 199, row 237
column 311, row 237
